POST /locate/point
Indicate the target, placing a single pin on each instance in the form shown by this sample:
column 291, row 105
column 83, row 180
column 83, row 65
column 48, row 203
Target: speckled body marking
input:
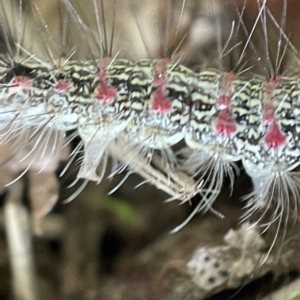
column 218, row 114
column 161, row 92
column 273, row 138
column 157, row 103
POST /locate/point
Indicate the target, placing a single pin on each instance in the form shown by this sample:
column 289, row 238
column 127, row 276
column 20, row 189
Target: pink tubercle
column 102, row 74
column 103, row 64
column 274, row 137
column 159, row 71
column 105, row 93
column 271, row 84
column 160, row 103
column 228, row 78
column 269, row 112
column 102, row 68
column 224, row 100
column 62, row 86
column 225, row 123
column 160, row 66
column 21, row 81
column 269, row 117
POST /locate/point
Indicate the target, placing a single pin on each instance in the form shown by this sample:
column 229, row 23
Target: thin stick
column 18, row 234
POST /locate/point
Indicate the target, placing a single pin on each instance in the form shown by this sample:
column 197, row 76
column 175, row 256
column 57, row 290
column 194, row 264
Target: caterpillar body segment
column 274, row 138
column 165, row 112
column 271, row 153
column 153, row 104
column 157, row 103
column 219, row 116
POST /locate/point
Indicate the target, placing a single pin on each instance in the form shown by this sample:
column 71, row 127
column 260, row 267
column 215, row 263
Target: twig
column 18, row 232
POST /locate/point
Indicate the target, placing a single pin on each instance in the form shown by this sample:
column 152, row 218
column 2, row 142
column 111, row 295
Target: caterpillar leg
column 97, row 135
column 277, row 192
column 178, row 184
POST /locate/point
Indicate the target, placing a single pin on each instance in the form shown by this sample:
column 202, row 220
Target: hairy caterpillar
column 223, row 115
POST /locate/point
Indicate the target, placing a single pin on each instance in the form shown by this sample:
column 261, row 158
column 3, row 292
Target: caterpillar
column 223, row 115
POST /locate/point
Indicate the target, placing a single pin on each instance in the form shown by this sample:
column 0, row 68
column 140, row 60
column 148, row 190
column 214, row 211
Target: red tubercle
column 21, row 81
column 62, row 86
column 228, row 78
column 105, row 93
column 160, row 103
column 269, row 117
column 269, row 112
column 271, row 83
column 225, row 123
column 274, row 137
column 102, row 74
column 160, row 66
column 104, row 62
column 159, row 81
column 224, row 101
column 102, row 66
column 159, row 71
